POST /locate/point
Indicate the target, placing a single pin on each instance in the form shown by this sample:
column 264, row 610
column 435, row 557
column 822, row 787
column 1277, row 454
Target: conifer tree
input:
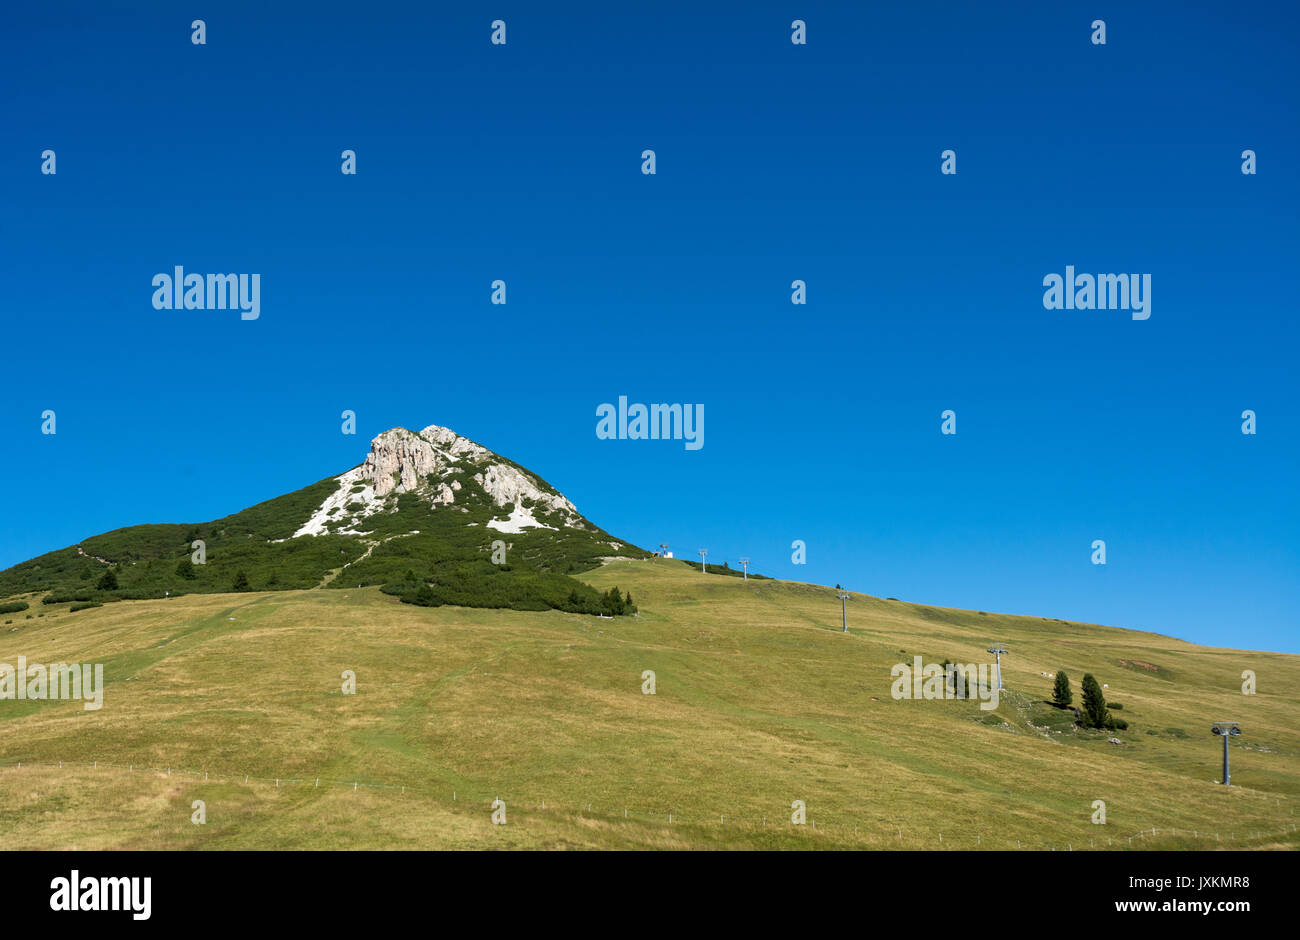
column 1094, row 703
column 614, row 601
column 1062, row 697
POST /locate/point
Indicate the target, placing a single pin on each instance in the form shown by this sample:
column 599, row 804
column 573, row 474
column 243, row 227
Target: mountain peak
column 430, row 517
column 449, row 472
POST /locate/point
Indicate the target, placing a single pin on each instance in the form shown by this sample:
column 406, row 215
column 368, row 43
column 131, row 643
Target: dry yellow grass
column 760, row 701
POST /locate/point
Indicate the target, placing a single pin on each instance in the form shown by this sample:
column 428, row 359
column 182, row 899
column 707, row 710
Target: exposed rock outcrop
column 402, row 461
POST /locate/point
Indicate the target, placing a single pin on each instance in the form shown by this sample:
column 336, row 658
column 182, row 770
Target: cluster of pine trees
column 472, row 583
column 1095, row 713
column 481, row 584
column 108, row 582
column 618, row 604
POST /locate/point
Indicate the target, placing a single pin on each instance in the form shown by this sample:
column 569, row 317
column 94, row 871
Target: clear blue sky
column 775, row 162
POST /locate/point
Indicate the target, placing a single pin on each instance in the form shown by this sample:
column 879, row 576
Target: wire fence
column 876, row 835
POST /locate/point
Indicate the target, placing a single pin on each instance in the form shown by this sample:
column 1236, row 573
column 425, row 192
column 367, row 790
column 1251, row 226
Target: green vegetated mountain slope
column 759, row 701
column 423, row 510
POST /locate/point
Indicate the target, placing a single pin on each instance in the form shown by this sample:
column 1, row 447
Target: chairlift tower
column 704, row 563
column 998, row 650
column 1226, row 729
column 744, row 563
column 844, row 608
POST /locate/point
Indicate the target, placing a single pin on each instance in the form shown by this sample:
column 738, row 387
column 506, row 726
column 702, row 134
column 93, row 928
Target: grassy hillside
column 760, row 701
column 449, row 547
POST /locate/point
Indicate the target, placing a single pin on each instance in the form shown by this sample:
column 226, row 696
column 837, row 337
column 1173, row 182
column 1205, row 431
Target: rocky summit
column 435, row 463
